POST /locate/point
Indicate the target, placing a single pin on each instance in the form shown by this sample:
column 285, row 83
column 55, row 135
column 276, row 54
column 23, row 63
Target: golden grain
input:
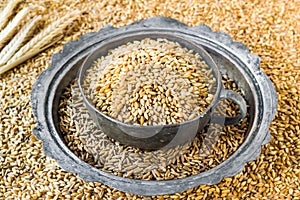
column 142, row 87
column 275, row 39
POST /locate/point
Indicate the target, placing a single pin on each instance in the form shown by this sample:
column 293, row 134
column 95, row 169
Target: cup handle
column 239, row 100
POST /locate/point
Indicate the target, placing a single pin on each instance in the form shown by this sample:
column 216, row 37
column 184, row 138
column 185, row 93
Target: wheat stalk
column 7, row 12
column 40, row 42
column 12, row 27
column 19, row 39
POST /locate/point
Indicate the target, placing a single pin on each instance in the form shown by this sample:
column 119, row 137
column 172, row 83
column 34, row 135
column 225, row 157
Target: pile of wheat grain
column 270, row 28
column 150, row 82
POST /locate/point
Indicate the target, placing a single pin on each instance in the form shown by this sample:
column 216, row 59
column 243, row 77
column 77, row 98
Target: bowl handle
column 239, row 100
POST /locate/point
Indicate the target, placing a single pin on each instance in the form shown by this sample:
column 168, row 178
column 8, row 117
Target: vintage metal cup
column 160, row 136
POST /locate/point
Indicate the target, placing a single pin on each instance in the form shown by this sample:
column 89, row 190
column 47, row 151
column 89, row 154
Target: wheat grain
column 7, row 12
column 21, row 37
column 149, row 80
column 9, row 31
column 29, row 174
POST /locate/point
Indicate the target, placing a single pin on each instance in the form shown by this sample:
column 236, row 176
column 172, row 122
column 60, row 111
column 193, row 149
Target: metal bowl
column 233, row 59
column 162, row 136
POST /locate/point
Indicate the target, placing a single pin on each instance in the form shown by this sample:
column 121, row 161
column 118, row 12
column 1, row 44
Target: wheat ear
column 55, row 29
column 19, row 60
column 40, row 42
column 7, row 12
column 12, row 27
column 20, row 38
column 46, row 35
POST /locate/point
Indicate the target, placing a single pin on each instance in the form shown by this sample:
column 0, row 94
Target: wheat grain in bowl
column 151, row 82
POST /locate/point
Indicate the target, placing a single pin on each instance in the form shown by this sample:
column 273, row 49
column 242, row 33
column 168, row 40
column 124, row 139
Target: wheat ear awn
column 7, row 12
column 20, row 38
column 12, row 27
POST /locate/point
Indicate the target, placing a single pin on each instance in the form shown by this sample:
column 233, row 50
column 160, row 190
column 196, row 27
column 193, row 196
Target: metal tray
column 233, row 59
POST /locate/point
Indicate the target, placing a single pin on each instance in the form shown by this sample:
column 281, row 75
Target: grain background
column 270, row 28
